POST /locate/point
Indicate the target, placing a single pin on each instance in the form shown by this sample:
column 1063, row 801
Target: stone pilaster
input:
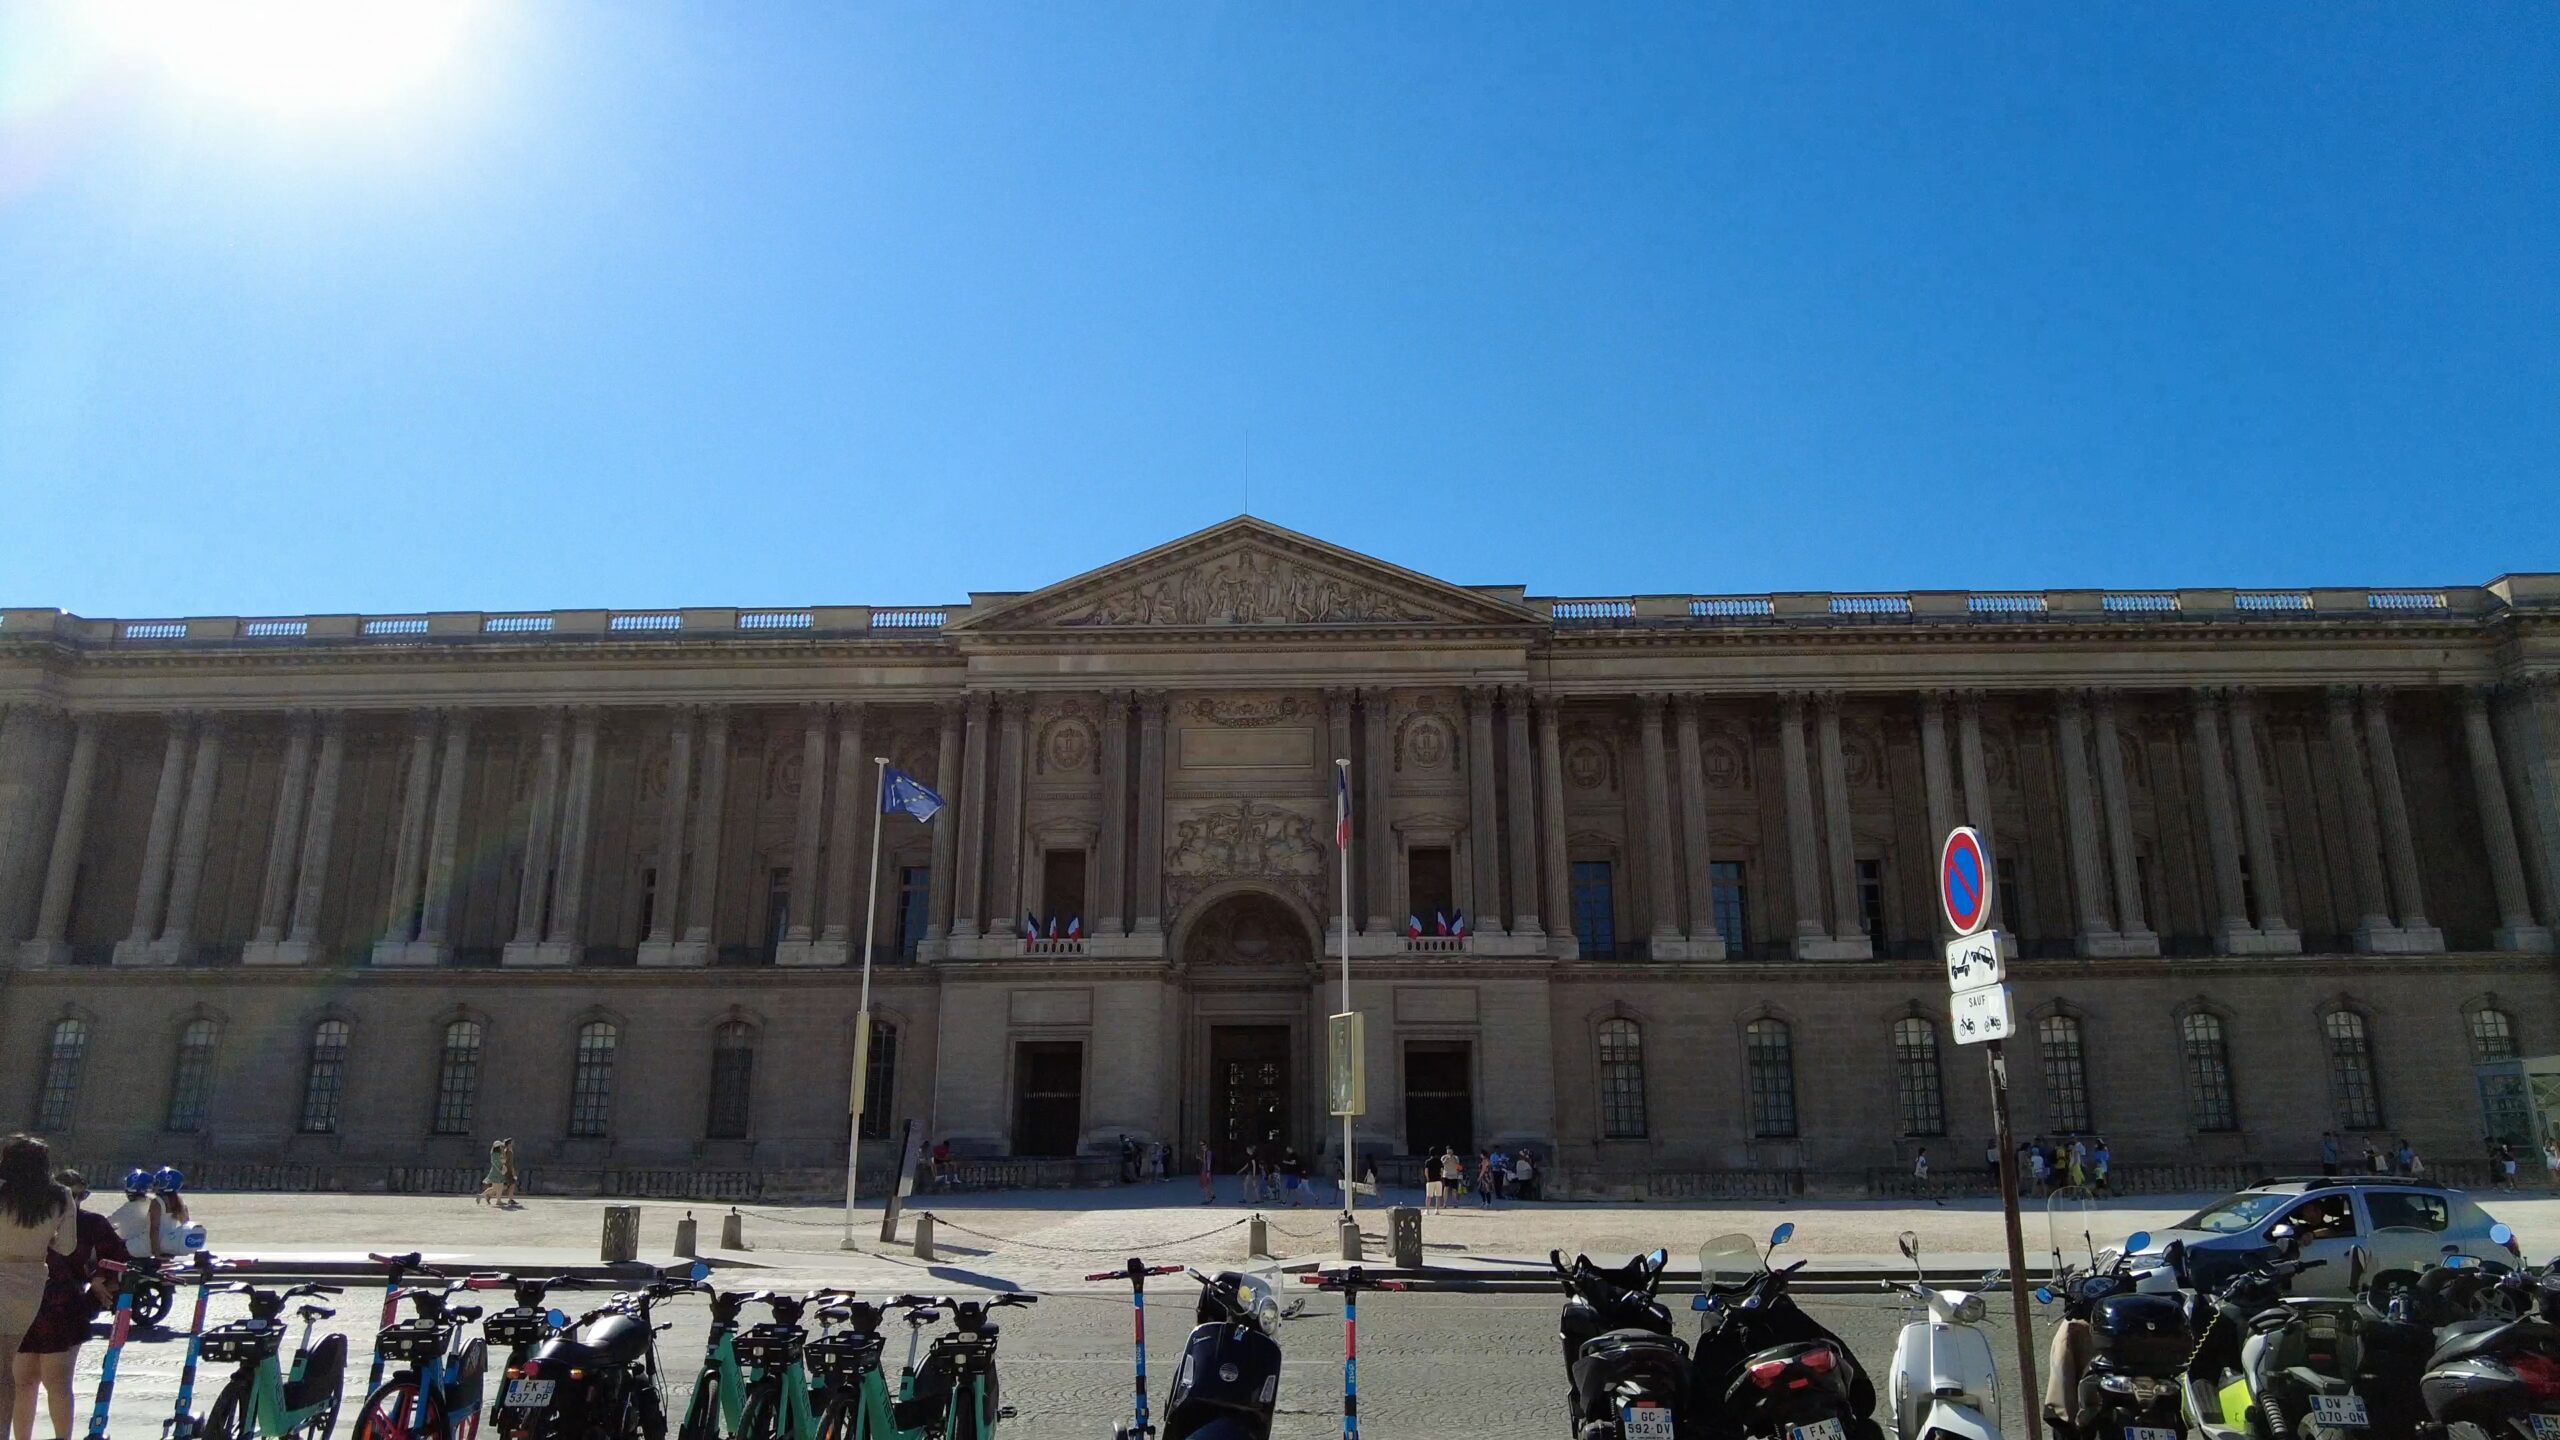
column 444, row 841
column 946, row 826
column 1937, row 781
column 1977, row 806
column 1484, row 900
column 809, row 833
column 2516, row 927
column 1111, row 870
column 62, row 862
column 2363, row 838
column 284, row 835
column 710, row 822
column 1522, row 794
column 2266, row 876
column 1004, row 854
column 1377, row 806
column 311, row 888
column 2134, row 935
column 2533, row 793
column 2397, row 839
column 151, row 896
column 1697, row 853
column 409, row 859
column 2071, row 735
column 1850, row 940
column 1561, row 941
column 1660, row 895
column 195, row 829
column 1149, row 900
column 857, row 808
column 541, row 849
column 2230, row 898
column 1804, row 872
column 661, row 946
column 968, row 909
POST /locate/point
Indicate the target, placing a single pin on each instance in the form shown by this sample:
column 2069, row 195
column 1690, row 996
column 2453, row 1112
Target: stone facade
column 371, row 891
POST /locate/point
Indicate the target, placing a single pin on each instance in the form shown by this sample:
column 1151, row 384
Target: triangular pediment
column 1245, row 573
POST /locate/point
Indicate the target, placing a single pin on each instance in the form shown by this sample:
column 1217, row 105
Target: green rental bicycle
column 859, row 1403
column 953, row 1395
column 720, row 1391
column 262, row 1398
column 780, row 1402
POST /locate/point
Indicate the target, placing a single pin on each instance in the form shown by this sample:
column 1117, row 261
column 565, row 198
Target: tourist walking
column 1208, row 1175
column 1453, row 1176
column 73, row 1296
column 35, row 1224
column 2328, row 1155
column 2551, row 1162
column 2099, row 1160
column 1920, row 1185
column 493, row 1184
column 1431, row 1181
column 2038, row 1167
column 1501, row 1175
column 1524, row 1176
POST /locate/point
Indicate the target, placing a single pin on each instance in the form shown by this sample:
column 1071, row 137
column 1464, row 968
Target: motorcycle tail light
column 1819, row 1361
column 2539, row 1372
column 1766, row 1373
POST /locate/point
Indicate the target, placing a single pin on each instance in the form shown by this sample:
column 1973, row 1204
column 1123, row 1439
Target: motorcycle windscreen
column 1728, row 1261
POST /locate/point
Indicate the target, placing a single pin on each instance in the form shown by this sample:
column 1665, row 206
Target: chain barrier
column 1121, row 1248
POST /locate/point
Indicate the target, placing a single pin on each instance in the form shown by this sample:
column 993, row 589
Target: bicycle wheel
column 702, row 1415
column 646, row 1416
column 836, row 1421
column 390, row 1413
column 762, row 1419
column 229, row 1419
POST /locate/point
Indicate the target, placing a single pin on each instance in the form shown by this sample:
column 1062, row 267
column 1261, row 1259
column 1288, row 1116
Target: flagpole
column 862, row 1017
column 1342, row 782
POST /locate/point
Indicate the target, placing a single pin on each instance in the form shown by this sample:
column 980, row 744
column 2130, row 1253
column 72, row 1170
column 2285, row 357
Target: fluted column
column 968, row 906
column 2397, row 838
column 1849, row 921
column 1976, row 808
column 1698, row 862
column 2516, row 929
column 70, row 832
column 946, row 777
column 577, row 837
column 1149, row 902
column 857, row 805
column 1551, row 832
column 284, row 836
column 1112, row 867
column 2113, row 792
column 409, row 859
column 1004, row 905
column 2071, row 735
column 1482, row 846
column 1377, row 806
column 453, row 777
column 2231, row 904
column 1523, row 795
column 533, row 885
column 665, row 916
column 1804, row 873
column 2364, row 844
column 151, row 898
column 2266, row 877
column 702, row 887
column 2530, row 793
column 1937, row 779
column 195, row 826
column 1660, row 895
column 811, row 830
column 311, row 890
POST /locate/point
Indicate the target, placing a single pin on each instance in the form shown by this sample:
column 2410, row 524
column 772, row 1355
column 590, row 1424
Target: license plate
column 1645, row 1422
column 525, row 1394
column 1818, row 1430
column 2545, row 1427
column 2149, row 1432
column 2339, row 1410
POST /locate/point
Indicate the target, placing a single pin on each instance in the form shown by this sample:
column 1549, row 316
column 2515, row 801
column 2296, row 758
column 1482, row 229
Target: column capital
column 2475, row 698
column 1649, row 707
column 333, row 723
column 2341, row 696
column 1377, row 695
column 1116, row 703
column 948, row 707
column 977, row 703
column 1689, row 704
column 1152, row 706
column 2072, row 701
column 1515, row 697
column 1480, row 697
column 1791, row 705
column 1548, row 703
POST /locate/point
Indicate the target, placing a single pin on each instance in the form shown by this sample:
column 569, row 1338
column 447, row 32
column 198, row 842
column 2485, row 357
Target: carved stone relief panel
column 1727, row 761
column 1426, row 741
column 1216, row 733
column 1247, row 587
column 1069, row 745
column 1590, row 759
column 1247, row 930
column 1243, row 840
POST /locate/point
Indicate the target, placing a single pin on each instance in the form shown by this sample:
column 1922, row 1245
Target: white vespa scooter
column 1944, row 1385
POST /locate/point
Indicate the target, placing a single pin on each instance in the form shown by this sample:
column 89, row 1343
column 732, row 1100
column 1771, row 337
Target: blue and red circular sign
column 1964, row 880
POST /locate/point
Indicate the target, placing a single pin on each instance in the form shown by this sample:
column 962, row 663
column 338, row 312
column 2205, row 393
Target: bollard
column 1404, row 1237
column 685, row 1247
column 924, row 1236
column 1349, row 1229
column 733, row 1230
column 621, row 1234
column 1257, row 1238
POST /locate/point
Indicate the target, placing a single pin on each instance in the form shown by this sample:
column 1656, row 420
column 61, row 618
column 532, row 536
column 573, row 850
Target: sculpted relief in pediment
column 1246, row 587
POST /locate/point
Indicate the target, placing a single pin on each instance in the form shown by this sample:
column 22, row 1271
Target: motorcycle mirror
column 1700, row 1302
column 2044, row 1294
column 1784, row 1233
column 559, row 1319
column 2281, row 1231
column 2502, row 1233
column 1659, row 1258
column 698, row 1273
column 2174, row 1255
column 1909, row 1243
column 2137, row 1242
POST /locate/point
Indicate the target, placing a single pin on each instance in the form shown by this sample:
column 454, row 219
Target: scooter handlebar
column 414, row 1260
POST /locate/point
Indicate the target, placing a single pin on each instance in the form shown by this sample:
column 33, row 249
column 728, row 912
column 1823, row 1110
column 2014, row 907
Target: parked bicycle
column 436, row 1392
column 859, row 1403
column 264, row 1397
column 719, row 1388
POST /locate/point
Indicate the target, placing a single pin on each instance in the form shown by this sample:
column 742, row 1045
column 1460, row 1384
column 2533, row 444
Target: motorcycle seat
column 613, row 1340
column 315, row 1312
column 1621, row 1341
column 2485, row 1337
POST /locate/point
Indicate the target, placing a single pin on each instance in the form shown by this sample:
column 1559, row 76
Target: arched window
column 2493, row 1035
column 458, row 1078
column 1621, row 1079
column 2066, row 1073
column 190, row 1077
column 880, row 1080
column 58, row 1088
column 1770, row 1052
column 1921, row 1094
column 324, row 1077
column 733, row 1075
column 591, row 1084
column 2208, row 1065
column 2351, row 1081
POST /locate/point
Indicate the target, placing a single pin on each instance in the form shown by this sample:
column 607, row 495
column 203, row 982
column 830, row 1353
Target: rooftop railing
column 2539, row 592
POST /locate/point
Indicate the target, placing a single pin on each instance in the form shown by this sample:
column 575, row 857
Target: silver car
column 2402, row 1224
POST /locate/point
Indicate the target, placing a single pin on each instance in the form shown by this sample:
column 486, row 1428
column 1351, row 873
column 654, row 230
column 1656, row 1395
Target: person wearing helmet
column 175, row 1233
column 137, row 1220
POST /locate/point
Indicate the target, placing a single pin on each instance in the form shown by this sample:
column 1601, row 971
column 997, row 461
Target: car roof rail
column 2348, row 1181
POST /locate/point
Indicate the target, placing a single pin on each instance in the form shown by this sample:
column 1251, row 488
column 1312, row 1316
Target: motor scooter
column 1627, row 1375
column 1229, row 1380
column 1763, row 1369
column 2295, row 1375
column 1943, row 1382
column 2496, row 1378
column 2113, row 1366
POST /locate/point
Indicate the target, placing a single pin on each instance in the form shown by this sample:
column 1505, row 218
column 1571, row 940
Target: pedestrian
column 1453, row 1176
column 1128, row 1160
column 507, row 1150
column 74, row 1293
column 1920, row 1177
column 2551, row 1162
column 1484, row 1179
column 2328, row 1155
column 137, row 1220
column 1501, row 1176
column 1431, row 1181
column 2079, row 1163
column 35, row 1224
column 1524, row 1175
column 1248, row 1180
column 2038, row 1166
column 1208, row 1175
column 178, row 1231
column 2405, row 1158
column 2099, row 1159
column 2502, row 1165
column 1293, row 1176
column 493, row 1185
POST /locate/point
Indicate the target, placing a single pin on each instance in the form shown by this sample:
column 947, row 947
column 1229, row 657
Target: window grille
column 190, row 1077
column 458, row 1078
column 1769, row 1049
column 2493, row 1035
column 59, row 1087
column 2066, row 1073
column 324, row 1077
column 1621, row 1080
column 2359, row 1098
column 880, row 1080
column 733, row 1070
column 591, row 1085
column 2208, row 1065
column 1917, row 1082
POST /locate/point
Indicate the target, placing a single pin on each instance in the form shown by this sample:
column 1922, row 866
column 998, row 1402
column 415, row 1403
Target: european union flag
column 902, row 791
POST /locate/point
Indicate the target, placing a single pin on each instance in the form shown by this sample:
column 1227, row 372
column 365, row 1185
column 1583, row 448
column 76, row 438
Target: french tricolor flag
column 1413, row 927
column 1458, row 926
column 1075, row 928
column 1341, row 808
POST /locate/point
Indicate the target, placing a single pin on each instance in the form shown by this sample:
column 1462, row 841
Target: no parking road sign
column 1964, row 880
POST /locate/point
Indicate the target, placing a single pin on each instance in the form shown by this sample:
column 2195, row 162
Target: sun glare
column 297, row 55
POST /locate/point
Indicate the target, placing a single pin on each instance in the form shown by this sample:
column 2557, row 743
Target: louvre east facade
column 355, row 895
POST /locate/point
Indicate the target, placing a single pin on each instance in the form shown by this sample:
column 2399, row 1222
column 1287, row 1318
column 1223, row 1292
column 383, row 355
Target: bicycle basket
column 517, row 1328
column 769, row 1347
column 242, row 1342
column 413, row 1340
column 843, row 1356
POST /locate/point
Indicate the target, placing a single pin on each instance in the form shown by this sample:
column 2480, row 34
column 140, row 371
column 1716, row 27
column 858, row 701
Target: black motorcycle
column 1629, row 1376
column 1763, row 1369
column 2127, row 1349
column 598, row 1377
column 2495, row 1377
column 1229, row 1380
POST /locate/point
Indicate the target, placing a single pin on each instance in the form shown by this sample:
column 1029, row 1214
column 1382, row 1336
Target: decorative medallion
column 1726, row 766
column 1589, row 765
column 1067, row 746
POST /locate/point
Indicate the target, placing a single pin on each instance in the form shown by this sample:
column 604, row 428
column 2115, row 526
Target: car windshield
column 2234, row 1215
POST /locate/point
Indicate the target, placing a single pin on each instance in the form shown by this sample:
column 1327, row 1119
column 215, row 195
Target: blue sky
column 646, row 304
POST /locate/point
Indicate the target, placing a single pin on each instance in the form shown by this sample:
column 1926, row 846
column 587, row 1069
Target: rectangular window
column 1061, row 889
column 1621, row 1080
column 2009, row 902
column 2066, row 1074
column 2407, row 1209
column 591, row 1084
column 191, row 1077
column 1595, row 908
column 458, row 1078
column 1427, row 883
column 733, row 1072
column 324, row 1081
column 879, row 1081
column 1769, row 1049
column 648, row 899
column 1733, row 905
column 915, row 890
column 1871, row 898
column 777, row 909
column 2248, row 892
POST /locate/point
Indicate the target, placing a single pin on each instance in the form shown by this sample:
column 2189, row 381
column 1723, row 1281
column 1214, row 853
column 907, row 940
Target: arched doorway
column 1247, row 957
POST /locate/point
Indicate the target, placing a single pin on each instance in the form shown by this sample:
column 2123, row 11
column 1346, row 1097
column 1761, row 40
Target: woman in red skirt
column 74, row 1293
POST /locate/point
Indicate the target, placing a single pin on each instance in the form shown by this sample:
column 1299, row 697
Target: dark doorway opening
column 1248, row 1091
column 1048, row 1096
column 1439, row 1097
column 1427, row 882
